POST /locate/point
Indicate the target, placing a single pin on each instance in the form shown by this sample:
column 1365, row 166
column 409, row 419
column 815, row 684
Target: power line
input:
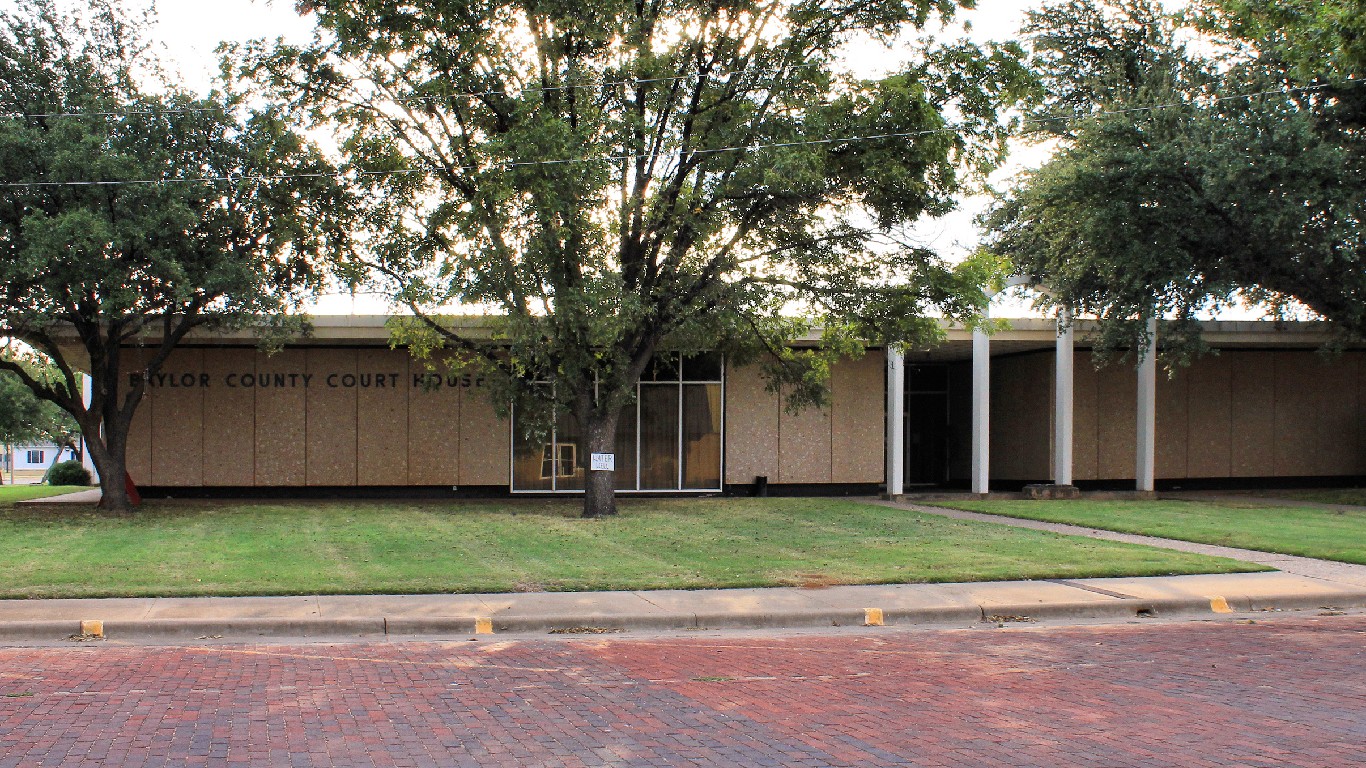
column 119, row 113
column 607, row 158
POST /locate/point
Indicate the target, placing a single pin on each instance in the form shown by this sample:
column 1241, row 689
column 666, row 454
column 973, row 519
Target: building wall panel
column 752, row 427
column 332, row 419
column 1361, row 414
column 1006, row 440
column 1085, row 418
column 229, row 418
column 1022, row 417
column 382, row 395
column 1298, row 390
column 858, row 412
column 1037, row 410
column 434, row 428
column 139, row 452
column 804, row 446
column 485, row 439
column 1209, row 417
column 1116, row 420
column 1337, row 446
column 282, row 418
column 178, row 421
column 1254, row 414
column 1173, row 427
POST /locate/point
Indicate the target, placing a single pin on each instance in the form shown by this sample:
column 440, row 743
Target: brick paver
column 1285, row 692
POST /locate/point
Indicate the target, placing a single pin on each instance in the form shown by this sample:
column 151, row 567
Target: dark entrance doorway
column 927, row 424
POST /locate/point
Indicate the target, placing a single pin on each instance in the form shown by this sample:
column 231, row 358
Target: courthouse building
column 341, row 411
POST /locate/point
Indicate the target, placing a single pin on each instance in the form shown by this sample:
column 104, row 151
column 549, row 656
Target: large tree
column 1193, row 170
column 606, row 181
column 132, row 213
column 1319, row 39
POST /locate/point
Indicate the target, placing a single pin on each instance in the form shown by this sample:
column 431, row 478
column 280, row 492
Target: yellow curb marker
column 1219, row 605
column 92, row 628
column 483, row 626
column 872, row 617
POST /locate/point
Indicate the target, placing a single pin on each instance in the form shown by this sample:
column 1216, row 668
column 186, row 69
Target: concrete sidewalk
column 248, row 618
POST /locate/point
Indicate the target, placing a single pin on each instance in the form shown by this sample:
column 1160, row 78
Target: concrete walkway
column 88, row 498
column 1345, row 574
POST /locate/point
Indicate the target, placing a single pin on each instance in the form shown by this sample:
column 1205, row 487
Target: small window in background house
column 35, row 457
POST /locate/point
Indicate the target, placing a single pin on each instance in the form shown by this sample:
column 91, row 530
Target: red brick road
column 1285, row 692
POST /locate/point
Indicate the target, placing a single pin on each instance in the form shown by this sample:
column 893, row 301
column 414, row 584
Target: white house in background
column 36, row 456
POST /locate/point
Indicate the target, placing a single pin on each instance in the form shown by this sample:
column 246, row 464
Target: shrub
column 69, row 473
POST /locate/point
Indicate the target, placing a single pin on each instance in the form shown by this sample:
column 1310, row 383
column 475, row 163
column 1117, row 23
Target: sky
column 191, row 30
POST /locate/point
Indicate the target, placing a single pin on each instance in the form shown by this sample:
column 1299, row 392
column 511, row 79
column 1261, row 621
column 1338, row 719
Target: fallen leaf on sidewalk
column 1000, row 619
column 584, row 630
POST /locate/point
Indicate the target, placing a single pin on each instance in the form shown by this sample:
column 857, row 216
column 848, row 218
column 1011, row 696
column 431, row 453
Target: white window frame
column 679, row 383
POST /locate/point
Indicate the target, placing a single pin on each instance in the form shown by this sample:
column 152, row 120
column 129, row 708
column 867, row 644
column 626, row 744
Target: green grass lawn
column 1355, row 496
column 12, row 493
column 500, row 546
column 1306, row 531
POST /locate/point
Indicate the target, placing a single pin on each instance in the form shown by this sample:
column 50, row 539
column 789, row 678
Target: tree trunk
column 55, row 461
column 108, row 452
column 599, row 495
column 113, row 491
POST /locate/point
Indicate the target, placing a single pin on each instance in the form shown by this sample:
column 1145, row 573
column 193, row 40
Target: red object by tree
column 131, row 488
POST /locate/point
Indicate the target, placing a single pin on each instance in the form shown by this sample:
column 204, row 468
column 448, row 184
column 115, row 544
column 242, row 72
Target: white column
column 1062, row 402
column 1147, row 412
column 85, row 449
column 981, row 410
column 896, row 428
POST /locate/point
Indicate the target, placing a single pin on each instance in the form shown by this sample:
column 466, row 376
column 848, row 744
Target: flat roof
column 1022, row 334
column 374, row 329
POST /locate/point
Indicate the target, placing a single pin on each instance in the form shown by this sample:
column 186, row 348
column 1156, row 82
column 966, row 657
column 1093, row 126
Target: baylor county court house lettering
column 340, row 410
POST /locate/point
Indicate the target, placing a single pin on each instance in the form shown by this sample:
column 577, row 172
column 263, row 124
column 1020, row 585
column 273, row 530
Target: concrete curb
column 244, row 627
column 250, row 628
column 39, row 630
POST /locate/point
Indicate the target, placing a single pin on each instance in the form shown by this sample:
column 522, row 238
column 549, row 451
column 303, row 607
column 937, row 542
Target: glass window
column 533, row 462
column 701, row 435
column 662, row 367
column 533, row 459
column 668, row 440
column 571, row 458
column 704, row 367
column 35, row 457
column 625, row 478
column 658, row 437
